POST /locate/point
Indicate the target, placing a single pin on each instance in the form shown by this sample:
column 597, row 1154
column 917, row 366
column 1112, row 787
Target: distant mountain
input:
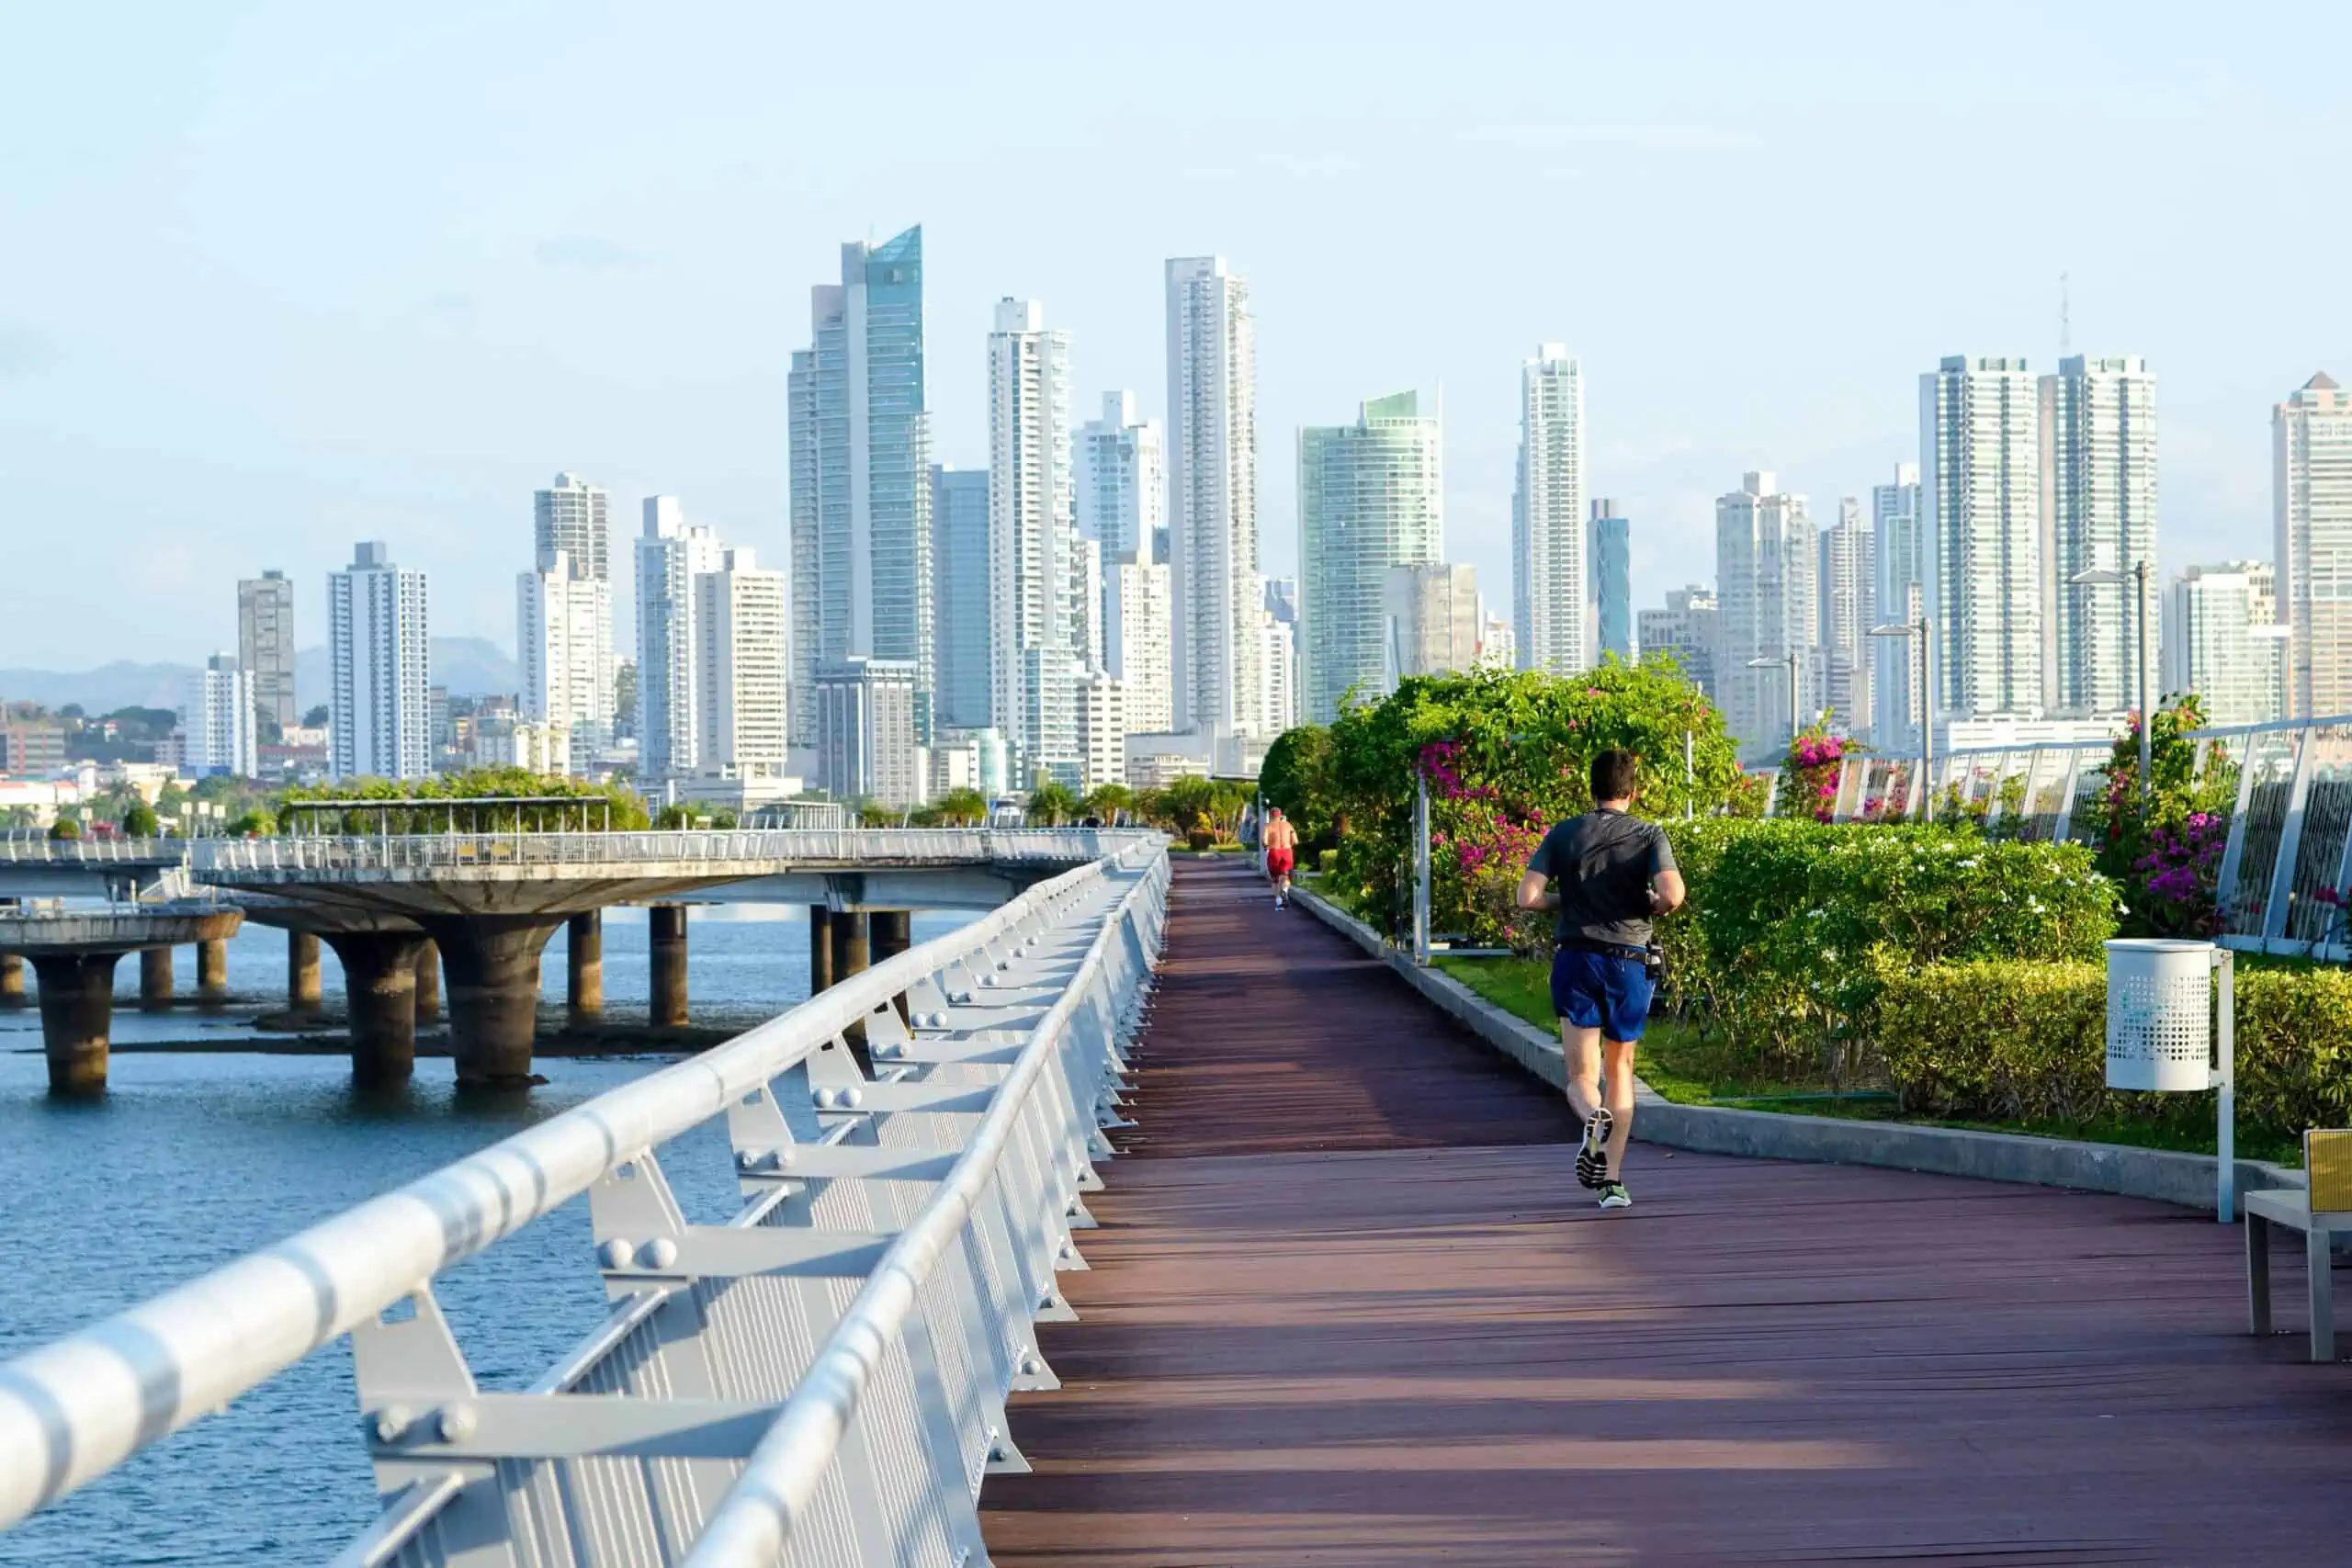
column 468, row 666
column 121, row 684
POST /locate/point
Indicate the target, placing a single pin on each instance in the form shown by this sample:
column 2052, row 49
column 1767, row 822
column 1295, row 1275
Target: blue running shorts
column 1597, row 990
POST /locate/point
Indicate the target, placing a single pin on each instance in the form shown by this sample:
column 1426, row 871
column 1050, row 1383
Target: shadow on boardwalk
column 1348, row 1306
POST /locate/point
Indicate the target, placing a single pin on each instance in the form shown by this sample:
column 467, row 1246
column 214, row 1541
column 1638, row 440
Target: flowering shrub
column 1505, row 755
column 2178, row 873
column 1809, row 773
column 2168, row 856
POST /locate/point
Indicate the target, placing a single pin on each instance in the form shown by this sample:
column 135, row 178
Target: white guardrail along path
column 820, row 1380
column 733, row 850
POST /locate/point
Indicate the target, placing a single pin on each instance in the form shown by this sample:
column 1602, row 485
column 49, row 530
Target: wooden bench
column 2321, row 1212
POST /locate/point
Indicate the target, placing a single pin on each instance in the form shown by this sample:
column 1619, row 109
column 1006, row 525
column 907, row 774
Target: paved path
column 1348, row 1307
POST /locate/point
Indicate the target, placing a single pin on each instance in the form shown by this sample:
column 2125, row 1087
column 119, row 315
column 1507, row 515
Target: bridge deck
column 1348, row 1306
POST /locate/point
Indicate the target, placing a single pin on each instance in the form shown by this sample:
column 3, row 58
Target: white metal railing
column 2033, row 790
column 944, row 1184
column 46, row 851
column 748, row 851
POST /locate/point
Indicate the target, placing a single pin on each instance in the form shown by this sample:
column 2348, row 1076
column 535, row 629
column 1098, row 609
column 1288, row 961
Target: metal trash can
column 2159, row 1014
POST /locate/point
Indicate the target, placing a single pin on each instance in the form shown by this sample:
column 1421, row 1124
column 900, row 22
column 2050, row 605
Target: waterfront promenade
column 1348, row 1306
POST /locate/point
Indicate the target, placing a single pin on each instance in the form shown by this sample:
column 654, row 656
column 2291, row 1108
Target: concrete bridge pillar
column 379, row 987
column 666, row 928
column 892, row 933
column 154, row 979
column 301, row 972
column 77, row 1017
column 491, row 963
column 584, row 965
column 428, row 980
column 211, row 970
column 820, row 948
column 853, row 954
column 12, row 980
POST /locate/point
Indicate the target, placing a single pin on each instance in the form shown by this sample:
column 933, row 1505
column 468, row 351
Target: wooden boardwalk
column 1348, row 1307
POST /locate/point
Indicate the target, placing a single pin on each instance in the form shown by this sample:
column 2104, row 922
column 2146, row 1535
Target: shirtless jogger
column 1610, row 873
column 1282, row 847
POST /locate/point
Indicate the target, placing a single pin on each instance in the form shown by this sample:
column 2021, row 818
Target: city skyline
column 620, row 296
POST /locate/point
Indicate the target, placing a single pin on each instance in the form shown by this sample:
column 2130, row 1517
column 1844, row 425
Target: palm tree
column 1050, row 803
column 962, row 808
column 1106, row 801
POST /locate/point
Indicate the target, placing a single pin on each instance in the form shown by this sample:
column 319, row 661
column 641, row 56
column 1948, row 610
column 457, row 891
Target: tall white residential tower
column 740, row 669
column 569, row 520
column 2098, row 489
column 1212, row 490
column 1766, row 556
column 1550, row 587
column 2310, row 489
column 1033, row 584
column 1980, row 446
column 378, row 645
column 671, row 554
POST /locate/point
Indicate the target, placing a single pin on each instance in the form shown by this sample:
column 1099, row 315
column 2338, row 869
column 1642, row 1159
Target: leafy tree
column 962, row 808
column 1507, row 753
column 171, row 800
column 254, row 825
column 1194, row 806
column 139, row 821
column 315, row 719
column 1296, row 776
column 66, row 829
column 1051, row 804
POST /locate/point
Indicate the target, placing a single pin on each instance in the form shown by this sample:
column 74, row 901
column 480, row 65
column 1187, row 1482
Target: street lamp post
column 1924, row 628
column 2138, row 577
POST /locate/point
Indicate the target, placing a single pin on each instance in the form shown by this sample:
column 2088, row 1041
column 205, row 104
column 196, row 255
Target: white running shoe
column 1593, row 1156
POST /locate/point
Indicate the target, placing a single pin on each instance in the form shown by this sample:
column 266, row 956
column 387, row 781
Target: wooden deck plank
column 1348, row 1307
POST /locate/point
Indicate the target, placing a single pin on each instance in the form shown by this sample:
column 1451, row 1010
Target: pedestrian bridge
column 1337, row 1300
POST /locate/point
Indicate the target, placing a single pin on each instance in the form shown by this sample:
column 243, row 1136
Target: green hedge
column 2010, row 1042
column 1793, row 927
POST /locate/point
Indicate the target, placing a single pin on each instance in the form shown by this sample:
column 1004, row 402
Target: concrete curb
column 2159, row 1174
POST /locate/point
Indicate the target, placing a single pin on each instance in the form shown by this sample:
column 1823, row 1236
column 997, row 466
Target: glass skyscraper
column 959, row 559
column 1371, row 496
column 1608, row 545
column 861, row 478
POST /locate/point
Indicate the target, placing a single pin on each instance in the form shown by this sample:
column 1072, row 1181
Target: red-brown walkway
column 1348, row 1307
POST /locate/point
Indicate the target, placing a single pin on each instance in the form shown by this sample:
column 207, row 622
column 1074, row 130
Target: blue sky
column 274, row 278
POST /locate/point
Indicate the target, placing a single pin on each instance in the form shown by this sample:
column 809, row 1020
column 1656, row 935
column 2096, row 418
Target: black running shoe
column 1592, row 1156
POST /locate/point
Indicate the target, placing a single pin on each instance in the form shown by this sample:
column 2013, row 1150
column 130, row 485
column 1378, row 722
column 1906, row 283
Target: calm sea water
column 194, row 1157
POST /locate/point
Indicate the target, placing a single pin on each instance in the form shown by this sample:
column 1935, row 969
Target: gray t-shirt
column 1601, row 864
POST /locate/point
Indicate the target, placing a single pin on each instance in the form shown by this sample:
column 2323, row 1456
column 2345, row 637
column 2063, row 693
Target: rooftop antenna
column 2065, row 318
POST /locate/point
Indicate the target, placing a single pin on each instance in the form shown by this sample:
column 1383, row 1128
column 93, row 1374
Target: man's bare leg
column 1581, row 1047
column 1620, row 1054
